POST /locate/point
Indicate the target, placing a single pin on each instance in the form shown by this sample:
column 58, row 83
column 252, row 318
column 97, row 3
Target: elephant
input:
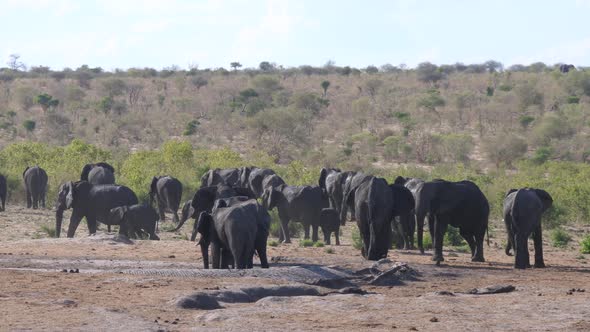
column 330, row 223
column 565, row 68
column 213, row 177
column 168, row 192
column 407, row 222
column 232, row 231
column 253, row 178
column 3, row 192
column 263, row 230
column 333, row 181
column 298, row 203
column 205, row 197
column 351, row 184
column 376, row 204
column 91, row 201
column 522, row 215
column 272, row 181
column 135, row 220
column 99, row 173
column 405, row 203
column 459, row 204
column 35, row 179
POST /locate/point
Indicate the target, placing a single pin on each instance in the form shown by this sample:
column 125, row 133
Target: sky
column 212, row 33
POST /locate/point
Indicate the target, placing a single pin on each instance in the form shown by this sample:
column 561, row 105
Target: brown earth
column 134, row 287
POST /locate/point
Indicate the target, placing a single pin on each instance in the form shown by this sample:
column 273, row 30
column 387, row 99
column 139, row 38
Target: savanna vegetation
column 499, row 127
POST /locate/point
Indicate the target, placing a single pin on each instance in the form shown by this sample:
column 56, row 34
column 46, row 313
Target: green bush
column 573, row 100
column 29, row 125
column 329, row 251
column 306, row 243
column 585, row 245
column 273, row 243
column 452, row 237
column 560, row 238
column 319, row 244
column 427, row 241
column 295, row 228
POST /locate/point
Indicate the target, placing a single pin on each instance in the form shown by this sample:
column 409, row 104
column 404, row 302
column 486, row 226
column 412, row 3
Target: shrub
column 572, row 100
column 552, row 126
column 427, row 240
column 560, row 238
column 49, row 230
column 319, row 244
column 542, row 154
column 191, row 128
column 585, row 245
column 505, row 149
column 452, row 237
column 273, row 243
column 505, row 87
column 329, row 251
column 306, row 243
column 295, row 228
column 29, row 125
column 526, row 120
column 357, row 242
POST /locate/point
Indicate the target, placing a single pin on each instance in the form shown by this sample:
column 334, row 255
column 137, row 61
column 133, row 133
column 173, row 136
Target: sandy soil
column 134, row 287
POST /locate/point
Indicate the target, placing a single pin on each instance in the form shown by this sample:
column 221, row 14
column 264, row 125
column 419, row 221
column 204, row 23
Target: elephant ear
column 25, row 171
column 323, row 176
column 219, row 204
column 153, row 186
column 119, row 212
column 403, row 199
column 545, row 198
column 106, row 166
column 204, row 199
column 244, row 192
column 70, row 195
column 245, row 175
column 85, row 171
column 510, row 192
column 203, row 225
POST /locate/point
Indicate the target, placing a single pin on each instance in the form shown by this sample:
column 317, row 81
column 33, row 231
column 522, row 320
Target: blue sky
column 149, row 33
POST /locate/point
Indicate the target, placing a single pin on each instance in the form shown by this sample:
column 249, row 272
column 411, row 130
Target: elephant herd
column 230, row 211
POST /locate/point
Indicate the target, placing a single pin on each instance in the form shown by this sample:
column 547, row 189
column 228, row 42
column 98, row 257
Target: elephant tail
column 488, row 234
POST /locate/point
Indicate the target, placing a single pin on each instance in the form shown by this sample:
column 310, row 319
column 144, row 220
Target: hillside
column 470, row 114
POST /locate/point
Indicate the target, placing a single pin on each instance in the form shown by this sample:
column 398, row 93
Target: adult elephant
column 272, row 181
column 405, row 203
column 297, row 203
column 459, row 204
column 231, row 231
column 91, row 201
column 35, row 179
column 333, row 181
column 376, row 204
column 407, row 221
column 213, row 177
column 204, row 199
column 253, row 178
column 3, row 192
column 99, row 173
column 565, row 68
column 167, row 191
column 522, row 215
column 351, row 184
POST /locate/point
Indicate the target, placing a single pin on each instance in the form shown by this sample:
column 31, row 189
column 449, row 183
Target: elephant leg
column 161, row 212
column 538, row 241
column 314, row 233
column 215, row 255
column 438, row 231
column 74, row 222
column 326, row 235
column 175, row 218
column 521, row 251
column 284, row 217
column 306, row 227
column 29, row 199
column 337, row 236
column 92, row 225
column 43, row 200
column 470, row 241
column 261, row 250
column 479, row 238
column 509, row 235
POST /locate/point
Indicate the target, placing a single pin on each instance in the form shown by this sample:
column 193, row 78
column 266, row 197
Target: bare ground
column 134, row 287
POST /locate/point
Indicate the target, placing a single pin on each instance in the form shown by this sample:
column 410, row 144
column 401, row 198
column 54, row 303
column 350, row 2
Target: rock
column 198, row 301
column 492, row 290
column 434, row 319
column 444, row 293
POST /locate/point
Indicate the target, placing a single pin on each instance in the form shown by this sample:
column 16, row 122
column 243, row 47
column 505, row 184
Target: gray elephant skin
column 99, row 173
column 330, row 223
column 3, row 192
column 91, row 201
column 213, row 177
column 167, row 192
column 296, row 203
column 232, row 231
column 406, row 224
column 459, row 204
column 136, row 220
column 35, row 180
column 333, row 181
column 523, row 209
column 376, row 204
column 253, row 178
column 204, row 199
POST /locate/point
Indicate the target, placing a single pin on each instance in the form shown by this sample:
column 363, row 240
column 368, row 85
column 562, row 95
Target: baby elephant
column 135, row 220
column 330, row 222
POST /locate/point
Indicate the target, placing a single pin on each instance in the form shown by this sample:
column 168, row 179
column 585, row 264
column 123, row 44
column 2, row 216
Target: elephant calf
column 522, row 215
column 135, row 220
column 330, row 223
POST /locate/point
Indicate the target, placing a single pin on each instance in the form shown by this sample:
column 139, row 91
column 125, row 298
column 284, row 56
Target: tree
column 29, row 125
column 199, row 82
column 46, row 101
column 431, row 101
column 114, row 87
column 325, row 85
column 427, row 72
column 493, row 66
column 14, row 63
column 235, row 65
column 360, row 110
column 266, row 66
column 371, row 70
column 505, row 149
column 373, row 86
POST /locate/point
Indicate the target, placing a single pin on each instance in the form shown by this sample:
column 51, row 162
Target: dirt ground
column 135, row 287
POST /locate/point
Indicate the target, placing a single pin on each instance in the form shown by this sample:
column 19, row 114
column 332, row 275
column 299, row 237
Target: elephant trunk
column 59, row 215
column 204, row 253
